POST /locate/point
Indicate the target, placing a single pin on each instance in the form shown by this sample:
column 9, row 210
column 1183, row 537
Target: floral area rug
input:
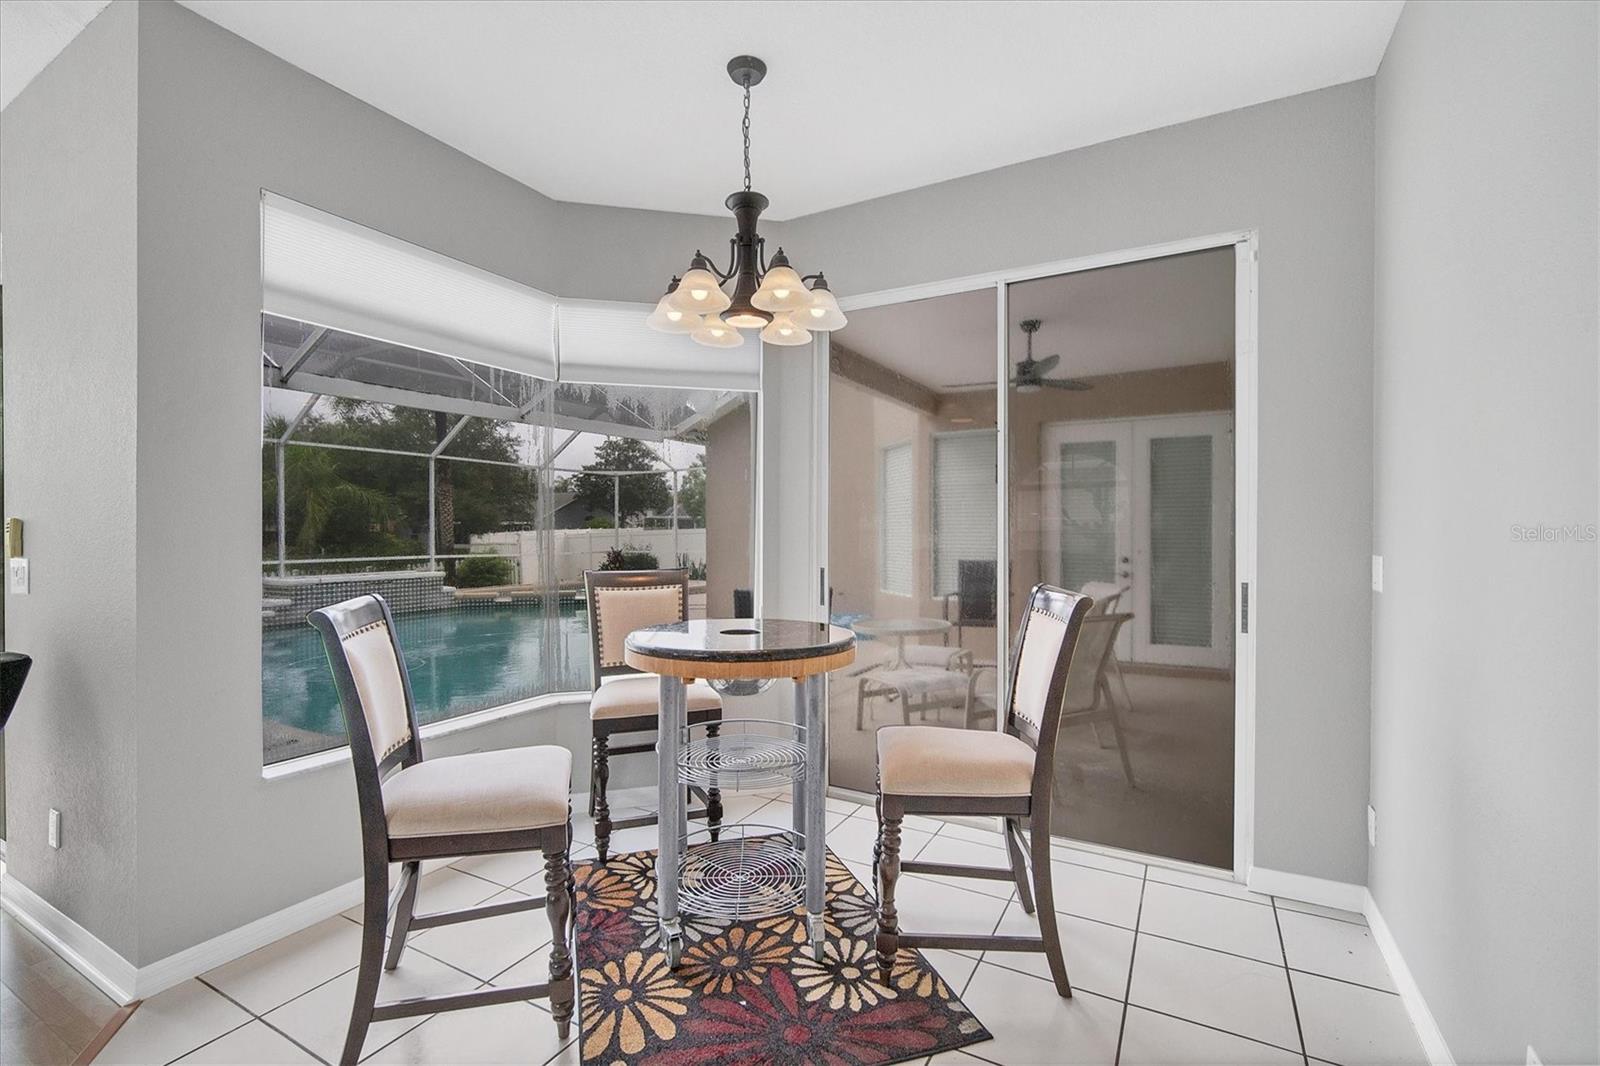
column 750, row 992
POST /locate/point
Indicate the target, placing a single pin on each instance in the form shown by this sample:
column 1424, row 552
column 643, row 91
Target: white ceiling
column 1176, row 311
column 33, row 32
column 627, row 103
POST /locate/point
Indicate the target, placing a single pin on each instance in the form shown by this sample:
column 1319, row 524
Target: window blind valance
column 607, row 343
column 323, row 269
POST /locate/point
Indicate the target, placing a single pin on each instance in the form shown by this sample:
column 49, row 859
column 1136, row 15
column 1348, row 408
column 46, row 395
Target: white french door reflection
column 1146, row 505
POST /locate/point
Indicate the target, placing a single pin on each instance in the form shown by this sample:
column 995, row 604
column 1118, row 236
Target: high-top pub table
column 747, row 871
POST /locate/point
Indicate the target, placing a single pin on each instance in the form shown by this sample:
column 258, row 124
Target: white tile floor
column 1169, row 967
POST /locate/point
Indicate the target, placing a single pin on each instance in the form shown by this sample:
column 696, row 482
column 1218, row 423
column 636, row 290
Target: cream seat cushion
column 482, row 792
column 925, row 760
column 628, row 697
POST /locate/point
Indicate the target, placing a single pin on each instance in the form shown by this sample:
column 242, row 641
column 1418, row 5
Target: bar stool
column 621, row 601
column 484, row 803
column 1008, row 772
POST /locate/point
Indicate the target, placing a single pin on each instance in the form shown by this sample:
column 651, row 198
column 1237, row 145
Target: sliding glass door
column 1120, row 452
column 913, row 522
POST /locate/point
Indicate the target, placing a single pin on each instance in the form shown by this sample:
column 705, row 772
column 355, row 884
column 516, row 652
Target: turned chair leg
column 602, row 807
column 714, row 794
column 558, row 908
column 1045, row 897
column 888, row 875
column 1012, row 831
column 410, row 874
column 374, row 916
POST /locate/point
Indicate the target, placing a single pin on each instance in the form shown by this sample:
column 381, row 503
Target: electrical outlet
column 18, row 569
column 1377, row 573
column 55, row 828
column 1372, row 827
column 1533, row 1057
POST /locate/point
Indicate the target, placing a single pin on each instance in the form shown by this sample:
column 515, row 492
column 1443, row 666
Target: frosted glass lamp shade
column 669, row 319
column 715, row 333
column 699, row 294
column 823, row 313
column 782, row 290
column 785, row 331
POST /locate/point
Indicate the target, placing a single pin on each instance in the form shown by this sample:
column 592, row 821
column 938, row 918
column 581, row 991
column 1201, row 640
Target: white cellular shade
column 608, row 343
column 894, row 519
column 323, row 269
column 964, row 503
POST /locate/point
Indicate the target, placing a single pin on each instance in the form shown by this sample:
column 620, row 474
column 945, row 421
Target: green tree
column 638, row 494
column 692, row 491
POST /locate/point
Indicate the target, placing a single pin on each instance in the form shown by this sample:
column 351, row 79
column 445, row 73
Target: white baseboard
column 1338, row 894
column 110, row 972
column 1433, row 1042
column 209, row 954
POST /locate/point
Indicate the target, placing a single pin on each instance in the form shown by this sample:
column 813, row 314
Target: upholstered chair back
column 1040, row 663
column 621, row 601
column 1096, row 640
column 369, row 672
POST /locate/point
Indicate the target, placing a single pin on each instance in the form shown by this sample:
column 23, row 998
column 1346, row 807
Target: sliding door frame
column 1246, row 429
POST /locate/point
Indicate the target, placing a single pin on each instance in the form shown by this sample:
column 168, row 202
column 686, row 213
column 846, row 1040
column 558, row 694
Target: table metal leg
column 797, row 789
column 816, row 789
column 672, row 819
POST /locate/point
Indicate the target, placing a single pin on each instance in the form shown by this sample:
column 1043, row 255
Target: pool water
column 459, row 661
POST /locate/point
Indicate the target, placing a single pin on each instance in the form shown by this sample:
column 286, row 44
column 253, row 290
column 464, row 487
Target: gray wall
column 1300, row 171
column 1484, row 676
column 67, row 208
column 219, row 119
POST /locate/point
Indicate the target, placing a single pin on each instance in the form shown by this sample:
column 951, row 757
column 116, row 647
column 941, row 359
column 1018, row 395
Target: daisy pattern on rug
column 621, row 1000
column 750, row 992
column 845, row 978
column 739, row 955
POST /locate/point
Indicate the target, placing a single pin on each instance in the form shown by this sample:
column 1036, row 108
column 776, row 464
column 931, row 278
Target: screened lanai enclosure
column 473, row 498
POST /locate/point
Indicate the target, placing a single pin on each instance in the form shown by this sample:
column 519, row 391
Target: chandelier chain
column 746, row 127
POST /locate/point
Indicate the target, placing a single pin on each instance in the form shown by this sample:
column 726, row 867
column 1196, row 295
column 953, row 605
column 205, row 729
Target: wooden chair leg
column 1012, row 830
column 410, row 874
column 1045, row 896
column 861, row 703
column 558, row 908
column 888, row 875
column 714, row 794
column 602, row 807
column 374, row 916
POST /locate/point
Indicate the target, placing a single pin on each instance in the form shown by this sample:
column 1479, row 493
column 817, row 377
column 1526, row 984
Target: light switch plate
column 1372, row 826
column 1377, row 573
column 17, row 571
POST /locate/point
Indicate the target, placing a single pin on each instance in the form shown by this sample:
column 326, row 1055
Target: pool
column 460, row 660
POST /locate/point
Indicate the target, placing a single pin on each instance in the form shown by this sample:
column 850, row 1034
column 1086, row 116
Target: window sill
column 461, row 723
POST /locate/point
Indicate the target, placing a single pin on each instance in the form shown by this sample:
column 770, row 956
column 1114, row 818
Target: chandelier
column 769, row 296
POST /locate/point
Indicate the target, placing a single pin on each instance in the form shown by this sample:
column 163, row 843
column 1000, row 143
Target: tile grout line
column 260, row 1019
column 1133, row 955
column 1216, row 1029
column 1288, row 976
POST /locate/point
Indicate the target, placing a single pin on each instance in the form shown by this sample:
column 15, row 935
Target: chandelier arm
column 811, row 277
column 733, row 260
column 761, row 257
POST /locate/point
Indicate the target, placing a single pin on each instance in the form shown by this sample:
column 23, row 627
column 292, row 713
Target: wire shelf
column 746, row 753
column 753, row 871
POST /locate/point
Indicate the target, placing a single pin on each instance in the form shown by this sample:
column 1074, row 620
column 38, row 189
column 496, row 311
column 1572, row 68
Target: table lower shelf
column 751, row 871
